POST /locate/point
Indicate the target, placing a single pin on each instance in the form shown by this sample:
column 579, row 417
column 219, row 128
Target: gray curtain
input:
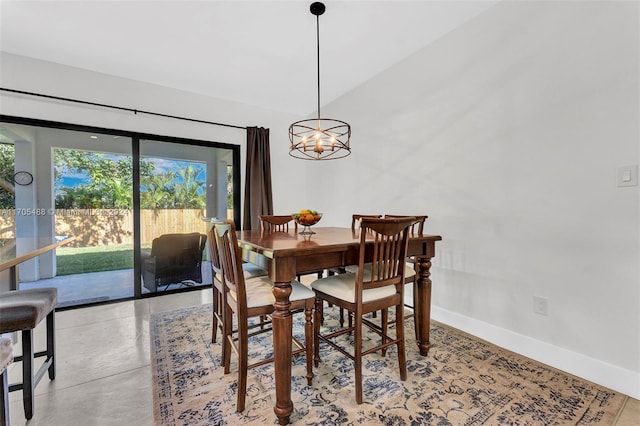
column 258, row 198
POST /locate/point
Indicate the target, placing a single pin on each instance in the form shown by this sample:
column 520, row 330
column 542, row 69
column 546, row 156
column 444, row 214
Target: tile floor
column 103, row 367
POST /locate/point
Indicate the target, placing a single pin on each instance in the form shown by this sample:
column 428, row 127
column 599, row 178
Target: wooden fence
column 98, row 227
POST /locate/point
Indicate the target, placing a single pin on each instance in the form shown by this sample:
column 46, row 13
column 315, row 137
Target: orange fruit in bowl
column 307, row 217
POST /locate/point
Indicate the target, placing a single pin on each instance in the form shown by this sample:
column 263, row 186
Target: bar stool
column 23, row 310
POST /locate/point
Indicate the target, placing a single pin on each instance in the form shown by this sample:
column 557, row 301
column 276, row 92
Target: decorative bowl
column 306, row 219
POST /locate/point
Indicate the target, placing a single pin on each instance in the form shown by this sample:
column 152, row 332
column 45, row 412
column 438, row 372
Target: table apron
column 315, row 262
column 421, row 248
column 286, row 268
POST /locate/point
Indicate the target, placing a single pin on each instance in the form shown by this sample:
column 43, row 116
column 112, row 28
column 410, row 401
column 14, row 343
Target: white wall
column 508, row 133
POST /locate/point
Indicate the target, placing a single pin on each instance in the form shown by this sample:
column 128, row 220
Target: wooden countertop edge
column 35, row 253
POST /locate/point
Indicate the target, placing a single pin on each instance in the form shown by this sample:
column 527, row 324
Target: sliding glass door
column 81, row 188
column 180, row 187
column 116, row 193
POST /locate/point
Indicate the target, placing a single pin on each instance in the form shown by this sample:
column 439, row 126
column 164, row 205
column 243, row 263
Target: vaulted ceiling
column 261, row 53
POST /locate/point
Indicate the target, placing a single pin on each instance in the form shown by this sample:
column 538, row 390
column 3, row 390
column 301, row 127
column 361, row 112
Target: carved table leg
column 282, row 324
column 422, row 305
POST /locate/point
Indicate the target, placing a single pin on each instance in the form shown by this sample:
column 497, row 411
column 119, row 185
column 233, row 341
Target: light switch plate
column 627, row 176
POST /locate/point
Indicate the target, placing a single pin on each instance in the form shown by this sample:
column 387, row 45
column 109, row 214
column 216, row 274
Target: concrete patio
column 95, row 287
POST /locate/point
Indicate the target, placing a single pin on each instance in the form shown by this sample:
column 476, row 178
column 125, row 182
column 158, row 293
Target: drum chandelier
column 319, row 138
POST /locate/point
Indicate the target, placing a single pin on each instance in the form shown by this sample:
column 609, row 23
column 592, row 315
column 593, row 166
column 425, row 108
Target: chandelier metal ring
column 319, row 139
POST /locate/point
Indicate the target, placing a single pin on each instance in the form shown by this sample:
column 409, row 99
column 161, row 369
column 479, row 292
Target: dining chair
column 276, row 223
column 411, row 273
column 249, row 271
column 355, row 225
column 357, row 218
column 366, row 291
column 280, row 223
column 416, row 228
column 246, row 299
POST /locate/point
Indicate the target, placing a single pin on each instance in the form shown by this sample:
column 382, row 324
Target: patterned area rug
column 463, row 381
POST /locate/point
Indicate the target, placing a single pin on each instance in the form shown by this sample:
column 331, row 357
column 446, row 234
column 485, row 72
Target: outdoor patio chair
column 174, row 259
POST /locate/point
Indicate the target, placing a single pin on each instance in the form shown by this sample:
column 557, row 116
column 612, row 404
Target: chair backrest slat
column 390, row 237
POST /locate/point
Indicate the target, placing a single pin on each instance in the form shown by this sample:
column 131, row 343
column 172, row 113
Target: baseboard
column 602, row 373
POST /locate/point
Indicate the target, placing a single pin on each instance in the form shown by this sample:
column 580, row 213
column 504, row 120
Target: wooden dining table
column 288, row 254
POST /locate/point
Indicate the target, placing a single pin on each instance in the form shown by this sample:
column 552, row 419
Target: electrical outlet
column 541, row 305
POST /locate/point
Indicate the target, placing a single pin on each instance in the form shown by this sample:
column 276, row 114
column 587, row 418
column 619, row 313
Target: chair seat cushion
column 250, row 270
column 343, row 286
column 260, row 292
column 24, row 309
column 408, row 270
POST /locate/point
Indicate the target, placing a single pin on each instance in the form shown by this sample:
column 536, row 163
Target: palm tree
column 156, row 191
column 189, row 194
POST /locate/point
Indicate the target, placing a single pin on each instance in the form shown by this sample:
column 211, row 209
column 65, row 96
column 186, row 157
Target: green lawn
column 81, row 260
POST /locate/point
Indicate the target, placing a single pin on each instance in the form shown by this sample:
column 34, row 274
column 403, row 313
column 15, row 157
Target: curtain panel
column 258, row 197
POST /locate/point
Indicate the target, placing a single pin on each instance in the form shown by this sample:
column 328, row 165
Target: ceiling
column 260, row 53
